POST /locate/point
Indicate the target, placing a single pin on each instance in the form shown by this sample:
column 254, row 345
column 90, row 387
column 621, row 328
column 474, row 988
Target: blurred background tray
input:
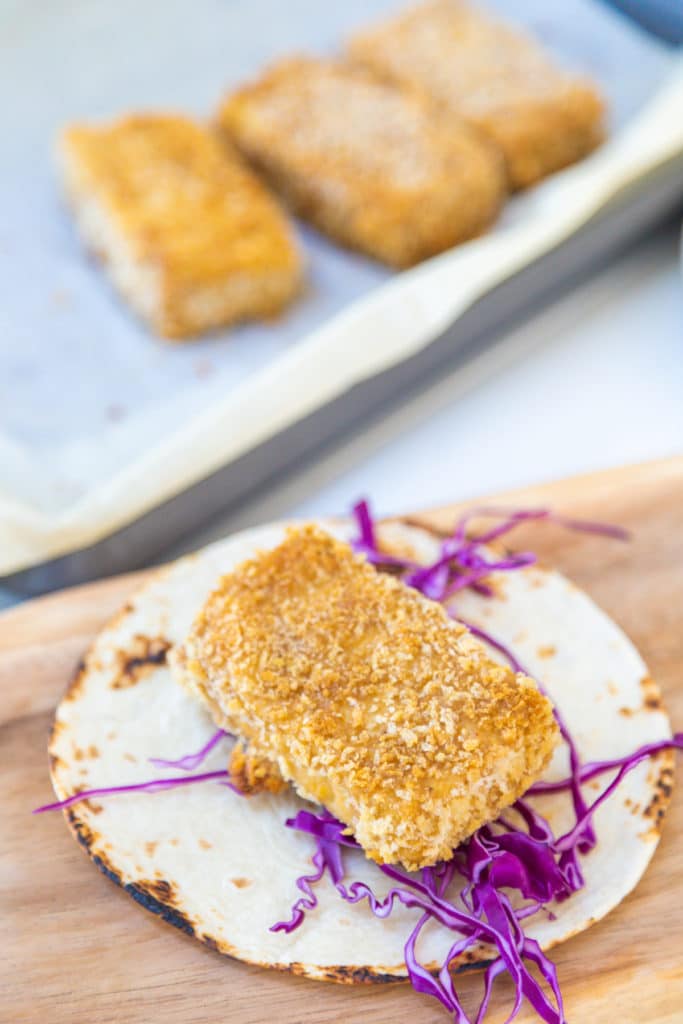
column 84, row 389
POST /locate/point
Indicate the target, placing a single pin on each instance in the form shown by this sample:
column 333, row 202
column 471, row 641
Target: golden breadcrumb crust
column 496, row 77
column 368, row 698
column 172, row 206
column 375, row 167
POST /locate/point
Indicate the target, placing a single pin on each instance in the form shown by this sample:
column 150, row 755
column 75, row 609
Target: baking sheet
column 99, row 421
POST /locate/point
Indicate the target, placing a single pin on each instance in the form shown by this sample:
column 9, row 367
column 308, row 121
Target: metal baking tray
column 628, row 215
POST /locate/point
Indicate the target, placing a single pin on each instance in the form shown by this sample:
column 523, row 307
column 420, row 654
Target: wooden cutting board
column 74, row 948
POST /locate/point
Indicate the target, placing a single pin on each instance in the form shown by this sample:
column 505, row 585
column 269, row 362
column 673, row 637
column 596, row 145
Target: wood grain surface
column 74, row 948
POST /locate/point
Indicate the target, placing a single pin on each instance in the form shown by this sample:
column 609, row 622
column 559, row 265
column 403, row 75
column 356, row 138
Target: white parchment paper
column 100, row 421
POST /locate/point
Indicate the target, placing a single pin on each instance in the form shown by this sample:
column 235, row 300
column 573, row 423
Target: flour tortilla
column 223, row 867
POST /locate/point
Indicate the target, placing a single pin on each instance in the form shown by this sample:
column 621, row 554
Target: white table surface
column 593, row 381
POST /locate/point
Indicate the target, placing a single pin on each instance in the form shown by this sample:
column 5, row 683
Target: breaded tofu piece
column 190, row 236
column 366, row 696
column 373, row 166
column 496, row 77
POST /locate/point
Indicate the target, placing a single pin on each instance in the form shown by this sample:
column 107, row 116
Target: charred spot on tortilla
column 158, row 896
column 656, row 808
column 75, row 687
column 55, row 729
column 651, row 694
column 140, row 660
column 652, row 699
column 89, row 752
column 82, row 831
column 159, row 889
column 368, row 698
column 342, row 973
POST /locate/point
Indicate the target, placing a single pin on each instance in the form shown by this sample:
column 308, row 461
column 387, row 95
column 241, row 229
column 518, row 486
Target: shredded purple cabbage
column 189, row 762
column 518, row 853
column 592, row 769
column 150, row 786
column 186, row 763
